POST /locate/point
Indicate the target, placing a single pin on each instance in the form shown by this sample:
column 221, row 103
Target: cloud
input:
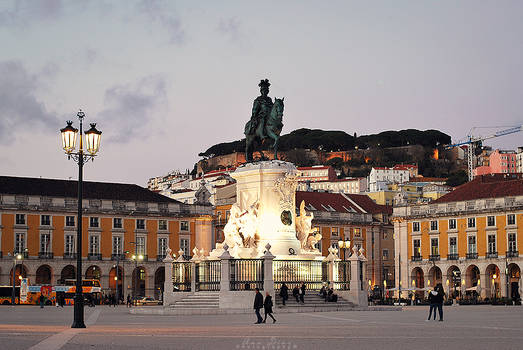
column 157, row 12
column 131, row 109
column 20, row 108
column 233, row 30
column 24, row 12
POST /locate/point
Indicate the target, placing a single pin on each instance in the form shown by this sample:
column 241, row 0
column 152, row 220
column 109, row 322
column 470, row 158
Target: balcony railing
column 472, row 255
column 434, row 257
column 94, row 256
column 453, row 257
column 492, row 255
column 512, row 254
column 415, row 258
column 70, row 256
column 45, row 255
column 118, row 257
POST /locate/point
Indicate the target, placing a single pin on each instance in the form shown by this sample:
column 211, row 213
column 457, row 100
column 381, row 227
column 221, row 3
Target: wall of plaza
column 43, row 228
column 475, row 240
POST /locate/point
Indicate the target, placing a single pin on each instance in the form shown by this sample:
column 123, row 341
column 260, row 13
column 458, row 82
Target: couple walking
column 266, row 305
column 436, row 302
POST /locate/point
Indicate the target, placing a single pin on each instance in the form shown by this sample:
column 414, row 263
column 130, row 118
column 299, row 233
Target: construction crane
column 473, row 141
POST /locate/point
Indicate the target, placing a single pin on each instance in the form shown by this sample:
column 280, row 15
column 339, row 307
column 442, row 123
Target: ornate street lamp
column 346, row 246
column 136, row 258
column 16, row 256
column 92, row 138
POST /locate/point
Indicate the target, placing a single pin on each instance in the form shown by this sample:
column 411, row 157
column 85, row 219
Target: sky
column 165, row 80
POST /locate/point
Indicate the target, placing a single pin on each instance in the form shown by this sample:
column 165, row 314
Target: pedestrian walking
column 302, row 293
column 296, row 293
column 129, row 304
column 432, row 302
column 42, row 300
column 258, row 304
column 439, row 302
column 267, row 307
column 284, row 293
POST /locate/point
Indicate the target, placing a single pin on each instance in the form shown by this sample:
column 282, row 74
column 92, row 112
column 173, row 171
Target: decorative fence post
column 225, row 284
column 195, row 259
column 356, row 294
column 168, row 292
column 331, row 258
column 268, row 280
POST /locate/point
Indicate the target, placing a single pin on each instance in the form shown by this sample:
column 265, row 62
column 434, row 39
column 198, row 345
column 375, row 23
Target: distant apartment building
column 519, row 160
column 347, row 185
column 380, row 177
column 500, row 162
column 316, row 173
column 417, row 190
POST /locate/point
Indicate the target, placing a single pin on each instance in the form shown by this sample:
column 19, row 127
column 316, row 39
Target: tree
column 457, row 178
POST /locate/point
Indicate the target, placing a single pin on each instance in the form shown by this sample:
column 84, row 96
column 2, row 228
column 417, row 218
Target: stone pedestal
column 272, row 185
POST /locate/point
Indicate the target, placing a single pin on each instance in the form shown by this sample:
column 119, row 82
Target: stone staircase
column 313, row 303
column 202, row 301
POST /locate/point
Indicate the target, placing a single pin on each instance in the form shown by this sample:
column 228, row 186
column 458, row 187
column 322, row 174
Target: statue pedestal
column 265, row 182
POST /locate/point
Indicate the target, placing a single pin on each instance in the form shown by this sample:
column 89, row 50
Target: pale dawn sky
column 165, row 80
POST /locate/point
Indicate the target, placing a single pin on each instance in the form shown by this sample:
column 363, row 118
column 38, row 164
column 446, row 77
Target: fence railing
column 182, row 276
column 341, row 275
column 246, row 274
column 293, row 272
column 208, row 275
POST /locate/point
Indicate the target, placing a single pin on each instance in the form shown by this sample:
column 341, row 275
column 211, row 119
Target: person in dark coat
column 284, row 293
column 267, row 307
column 432, row 301
column 302, row 293
column 296, row 293
column 439, row 302
column 258, row 304
column 42, row 300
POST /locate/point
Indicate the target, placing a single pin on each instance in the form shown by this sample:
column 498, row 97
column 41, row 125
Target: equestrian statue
column 265, row 124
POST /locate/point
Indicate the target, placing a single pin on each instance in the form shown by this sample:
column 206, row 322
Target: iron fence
column 182, row 276
column 293, row 272
column 208, row 275
column 246, row 274
column 341, row 275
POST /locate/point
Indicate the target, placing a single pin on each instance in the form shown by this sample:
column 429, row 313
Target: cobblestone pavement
column 464, row 327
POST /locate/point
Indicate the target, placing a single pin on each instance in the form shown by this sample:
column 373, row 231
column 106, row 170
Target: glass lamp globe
column 69, row 135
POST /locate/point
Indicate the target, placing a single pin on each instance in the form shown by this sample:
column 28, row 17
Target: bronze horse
column 270, row 129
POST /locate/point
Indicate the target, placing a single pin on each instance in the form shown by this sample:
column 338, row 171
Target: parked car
column 148, row 301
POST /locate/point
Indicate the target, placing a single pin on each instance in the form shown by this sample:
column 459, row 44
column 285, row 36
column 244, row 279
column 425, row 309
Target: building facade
column 38, row 218
column 467, row 240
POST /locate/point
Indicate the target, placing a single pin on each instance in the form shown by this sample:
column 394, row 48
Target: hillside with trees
column 306, row 147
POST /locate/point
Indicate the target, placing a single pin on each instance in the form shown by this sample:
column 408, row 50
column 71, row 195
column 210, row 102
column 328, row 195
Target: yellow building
column 38, row 218
column 467, row 240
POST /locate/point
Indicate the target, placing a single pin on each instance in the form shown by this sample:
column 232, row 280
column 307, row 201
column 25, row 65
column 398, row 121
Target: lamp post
column 346, row 246
column 117, row 275
column 136, row 258
column 16, row 257
column 92, row 140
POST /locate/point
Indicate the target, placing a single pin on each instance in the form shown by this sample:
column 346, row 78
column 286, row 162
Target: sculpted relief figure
column 304, row 229
column 242, row 228
column 231, row 230
column 249, row 226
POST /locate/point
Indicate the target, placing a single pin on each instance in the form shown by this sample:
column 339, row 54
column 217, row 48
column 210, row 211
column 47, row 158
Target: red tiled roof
column 368, row 204
column 486, row 186
column 313, row 167
column 404, row 166
column 427, row 179
column 335, row 200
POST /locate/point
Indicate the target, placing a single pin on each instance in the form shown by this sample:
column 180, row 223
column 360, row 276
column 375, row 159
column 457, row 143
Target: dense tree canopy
column 340, row 141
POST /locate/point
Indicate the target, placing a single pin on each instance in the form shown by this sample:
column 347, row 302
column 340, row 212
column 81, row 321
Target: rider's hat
column 264, row 83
